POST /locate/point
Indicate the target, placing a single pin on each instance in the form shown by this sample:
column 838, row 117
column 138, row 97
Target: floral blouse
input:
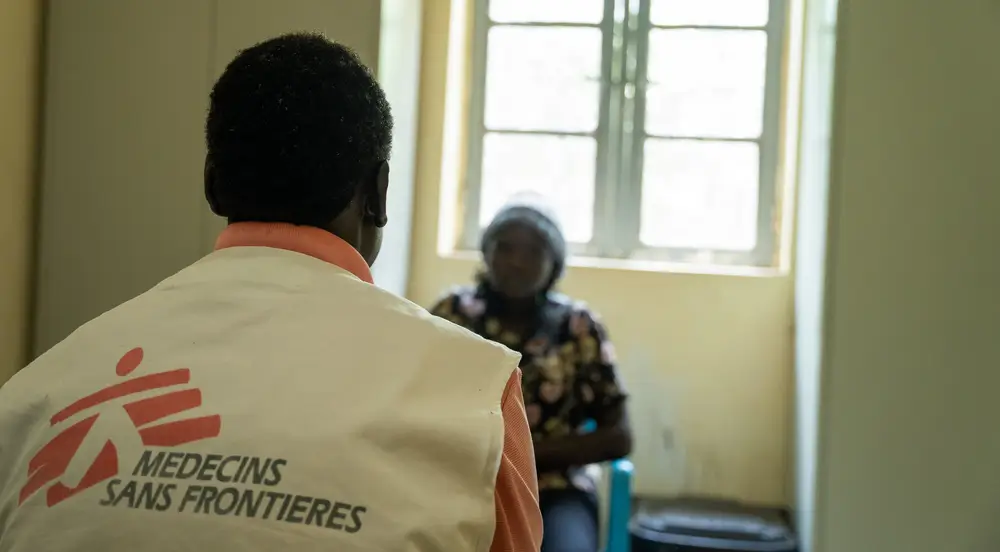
column 567, row 364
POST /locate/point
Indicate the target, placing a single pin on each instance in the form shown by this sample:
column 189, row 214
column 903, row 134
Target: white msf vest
column 260, row 400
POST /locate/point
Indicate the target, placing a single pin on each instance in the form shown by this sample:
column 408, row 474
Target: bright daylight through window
column 652, row 125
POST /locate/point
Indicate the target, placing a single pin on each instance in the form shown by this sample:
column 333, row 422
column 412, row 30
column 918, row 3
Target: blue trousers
column 570, row 520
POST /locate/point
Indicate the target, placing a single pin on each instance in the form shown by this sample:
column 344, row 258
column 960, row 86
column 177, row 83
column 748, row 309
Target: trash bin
column 707, row 526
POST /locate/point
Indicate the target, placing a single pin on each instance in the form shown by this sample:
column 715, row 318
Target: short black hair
column 295, row 123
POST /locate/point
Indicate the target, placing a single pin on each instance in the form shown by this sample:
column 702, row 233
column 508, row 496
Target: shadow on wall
column 20, row 36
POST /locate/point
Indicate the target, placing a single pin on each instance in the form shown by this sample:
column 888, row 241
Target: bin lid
column 713, row 531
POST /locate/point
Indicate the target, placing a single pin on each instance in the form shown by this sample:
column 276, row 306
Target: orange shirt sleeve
column 518, row 519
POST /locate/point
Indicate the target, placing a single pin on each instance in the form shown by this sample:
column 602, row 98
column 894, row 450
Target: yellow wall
column 707, row 358
column 909, row 438
column 19, row 45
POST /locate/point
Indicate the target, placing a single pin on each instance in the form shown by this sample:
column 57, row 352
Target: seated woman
column 568, row 364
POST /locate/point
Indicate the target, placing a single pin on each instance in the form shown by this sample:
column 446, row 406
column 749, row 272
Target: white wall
column 399, row 74
column 909, row 441
column 811, row 253
column 127, row 87
column 125, row 98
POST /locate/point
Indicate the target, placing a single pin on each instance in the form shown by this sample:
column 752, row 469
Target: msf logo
column 52, row 461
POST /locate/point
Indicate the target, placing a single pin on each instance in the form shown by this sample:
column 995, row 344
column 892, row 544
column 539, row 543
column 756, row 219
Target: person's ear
column 374, row 206
column 211, row 191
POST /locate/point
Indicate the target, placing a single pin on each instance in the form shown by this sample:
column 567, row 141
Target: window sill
column 644, row 265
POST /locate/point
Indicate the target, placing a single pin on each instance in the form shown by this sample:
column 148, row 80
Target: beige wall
column 707, row 357
column 127, row 88
column 19, row 47
column 909, row 440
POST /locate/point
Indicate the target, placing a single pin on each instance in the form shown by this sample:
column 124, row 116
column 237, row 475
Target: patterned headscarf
column 536, row 211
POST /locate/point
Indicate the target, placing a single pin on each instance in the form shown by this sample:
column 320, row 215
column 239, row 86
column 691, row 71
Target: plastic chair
column 617, row 502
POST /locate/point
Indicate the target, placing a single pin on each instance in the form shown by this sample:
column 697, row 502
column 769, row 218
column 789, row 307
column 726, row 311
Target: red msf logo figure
column 51, row 462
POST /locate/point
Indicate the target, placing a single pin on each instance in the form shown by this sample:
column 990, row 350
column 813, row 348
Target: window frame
column 620, row 137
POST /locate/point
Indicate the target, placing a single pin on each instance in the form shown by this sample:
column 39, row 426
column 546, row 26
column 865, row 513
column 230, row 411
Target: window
column 652, row 125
